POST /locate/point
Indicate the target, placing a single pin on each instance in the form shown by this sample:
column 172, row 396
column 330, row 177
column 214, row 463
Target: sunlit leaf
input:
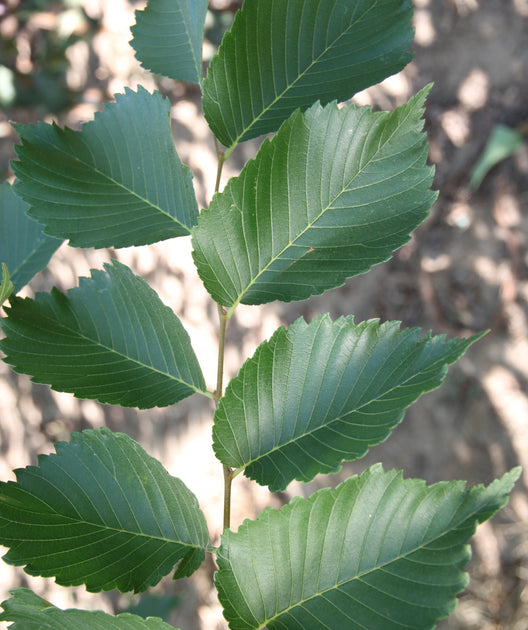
column 320, row 393
column 378, row 552
column 335, row 192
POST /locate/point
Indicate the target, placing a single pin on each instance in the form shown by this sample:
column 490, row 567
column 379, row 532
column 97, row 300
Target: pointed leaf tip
column 335, row 192
column 321, row 393
column 377, row 548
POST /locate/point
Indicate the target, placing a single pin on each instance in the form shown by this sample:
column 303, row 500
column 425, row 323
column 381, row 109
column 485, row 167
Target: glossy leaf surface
column 376, row 552
column 100, row 512
column 168, row 38
column 335, row 192
column 24, row 247
column 281, row 55
column 30, row 612
column 320, row 393
column 118, row 182
column 111, row 339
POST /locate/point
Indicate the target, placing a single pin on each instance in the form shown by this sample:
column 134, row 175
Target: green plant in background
column 335, row 191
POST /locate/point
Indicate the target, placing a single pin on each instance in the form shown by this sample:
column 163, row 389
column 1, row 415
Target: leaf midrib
column 334, row 420
column 359, row 576
column 318, row 217
column 198, row 69
column 300, row 76
column 92, row 167
column 98, row 344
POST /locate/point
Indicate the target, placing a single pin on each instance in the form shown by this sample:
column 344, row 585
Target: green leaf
column 335, row 192
column 320, row 393
column 6, row 287
column 111, row 339
column 23, row 245
column 117, row 182
column 100, row 512
column 167, row 38
column 376, row 552
column 503, row 143
column 30, row 612
column 287, row 54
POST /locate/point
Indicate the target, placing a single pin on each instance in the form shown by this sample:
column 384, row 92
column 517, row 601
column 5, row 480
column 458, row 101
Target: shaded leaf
column 24, row 247
column 6, row 286
column 100, row 512
column 111, row 339
column 335, row 192
column 117, row 182
column 286, row 54
column 168, row 38
column 30, row 612
column 502, row 144
column 320, row 393
column 376, row 552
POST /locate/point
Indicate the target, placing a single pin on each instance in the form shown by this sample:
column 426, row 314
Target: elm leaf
column 111, row 339
column 377, row 552
column 335, row 192
column 100, row 512
column 281, row 55
column 118, row 182
column 24, row 247
column 320, row 393
column 168, row 37
column 30, row 612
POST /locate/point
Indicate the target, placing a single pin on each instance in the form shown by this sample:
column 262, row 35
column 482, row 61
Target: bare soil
column 465, row 270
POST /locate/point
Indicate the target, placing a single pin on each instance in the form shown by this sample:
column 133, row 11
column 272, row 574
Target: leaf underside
column 167, row 38
column 118, row 182
column 111, row 339
column 30, row 612
column 281, row 55
column 320, row 393
column 24, row 247
column 100, row 512
column 335, row 192
column 376, row 552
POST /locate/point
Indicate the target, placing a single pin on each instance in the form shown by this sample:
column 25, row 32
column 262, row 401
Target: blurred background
column 465, row 270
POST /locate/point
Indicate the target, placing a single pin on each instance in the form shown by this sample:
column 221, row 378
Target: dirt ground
column 465, row 270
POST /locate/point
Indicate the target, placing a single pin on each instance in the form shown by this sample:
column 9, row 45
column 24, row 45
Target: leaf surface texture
column 24, row 247
column 118, row 182
column 281, row 55
column 320, row 393
column 377, row 552
column 111, row 339
column 100, row 512
column 168, row 38
column 335, row 192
